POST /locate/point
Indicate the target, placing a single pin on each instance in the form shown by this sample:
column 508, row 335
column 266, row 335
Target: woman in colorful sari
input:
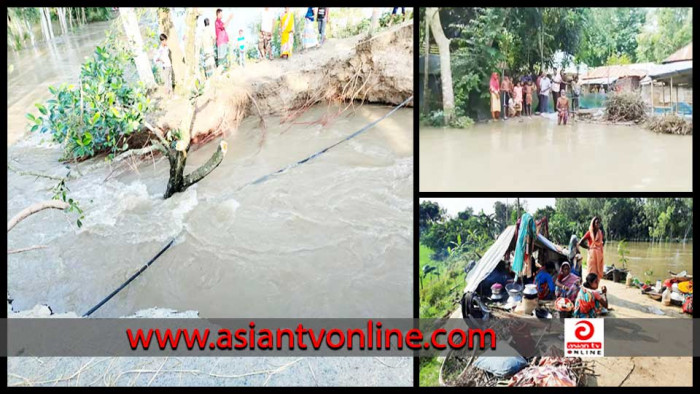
column 567, row 282
column 287, row 33
column 494, row 88
column 309, row 39
column 594, row 236
column 590, row 302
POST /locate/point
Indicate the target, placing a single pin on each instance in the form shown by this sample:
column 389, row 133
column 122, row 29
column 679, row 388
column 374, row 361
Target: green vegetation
column 622, row 252
column 429, row 371
column 100, row 114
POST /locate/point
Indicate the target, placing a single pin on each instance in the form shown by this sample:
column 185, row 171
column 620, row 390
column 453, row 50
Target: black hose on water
column 120, row 288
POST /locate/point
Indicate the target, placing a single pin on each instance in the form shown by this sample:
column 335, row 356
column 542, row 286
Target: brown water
column 657, row 257
column 537, row 155
column 46, row 64
column 330, row 238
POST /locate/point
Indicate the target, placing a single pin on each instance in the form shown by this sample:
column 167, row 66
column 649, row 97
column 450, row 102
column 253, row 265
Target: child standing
column 241, row 48
column 528, row 91
column 518, row 96
column 162, row 59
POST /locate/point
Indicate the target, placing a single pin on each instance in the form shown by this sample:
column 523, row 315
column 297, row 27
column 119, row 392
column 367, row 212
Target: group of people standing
column 212, row 45
column 514, row 99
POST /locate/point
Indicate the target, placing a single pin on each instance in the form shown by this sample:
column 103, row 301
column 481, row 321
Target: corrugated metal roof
column 598, row 81
column 639, row 70
column 685, row 53
column 662, row 70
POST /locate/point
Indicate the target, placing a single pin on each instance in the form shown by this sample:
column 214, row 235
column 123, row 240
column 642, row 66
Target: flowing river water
column 329, row 238
column 537, row 155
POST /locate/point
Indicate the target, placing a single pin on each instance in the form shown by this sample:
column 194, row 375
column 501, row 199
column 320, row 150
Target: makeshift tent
column 505, row 243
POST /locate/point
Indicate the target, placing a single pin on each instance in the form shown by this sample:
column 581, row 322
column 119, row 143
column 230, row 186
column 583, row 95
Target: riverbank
column 486, row 157
column 353, row 70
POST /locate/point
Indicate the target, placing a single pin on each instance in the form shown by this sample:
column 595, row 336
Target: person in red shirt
column 221, row 39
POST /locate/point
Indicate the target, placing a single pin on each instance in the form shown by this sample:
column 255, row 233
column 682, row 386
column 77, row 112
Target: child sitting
column 511, row 107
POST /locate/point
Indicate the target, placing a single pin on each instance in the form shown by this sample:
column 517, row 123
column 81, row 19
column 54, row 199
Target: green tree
column 671, row 30
column 610, row 35
column 429, row 213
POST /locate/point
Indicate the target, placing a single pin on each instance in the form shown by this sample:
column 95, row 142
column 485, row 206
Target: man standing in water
column 505, row 96
column 546, row 86
column 264, row 43
column 221, row 39
column 538, row 86
column 322, row 14
column 556, row 86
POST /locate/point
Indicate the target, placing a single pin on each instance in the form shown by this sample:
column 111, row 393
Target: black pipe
column 120, row 288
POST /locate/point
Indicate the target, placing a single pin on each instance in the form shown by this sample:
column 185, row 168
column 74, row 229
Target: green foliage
column 437, row 119
column 622, row 253
column 610, row 35
column 60, row 192
column 98, row 14
column 98, row 115
column 673, row 30
column 618, row 59
column 429, row 213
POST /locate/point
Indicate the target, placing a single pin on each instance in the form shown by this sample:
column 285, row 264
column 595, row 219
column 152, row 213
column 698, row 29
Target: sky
column 456, row 205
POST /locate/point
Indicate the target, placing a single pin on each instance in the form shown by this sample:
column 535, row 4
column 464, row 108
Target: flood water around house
column 537, row 155
column 656, row 259
column 330, row 238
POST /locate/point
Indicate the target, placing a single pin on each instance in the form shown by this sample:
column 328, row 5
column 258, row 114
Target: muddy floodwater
column 658, row 257
column 330, row 238
column 537, row 155
column 34, row 69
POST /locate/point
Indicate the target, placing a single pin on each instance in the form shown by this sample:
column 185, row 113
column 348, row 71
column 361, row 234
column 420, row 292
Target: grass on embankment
column 438, row 296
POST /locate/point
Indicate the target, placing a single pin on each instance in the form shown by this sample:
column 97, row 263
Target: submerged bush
column 98, row 115
column 625, row 107
column 670, row 124
column 437, row 119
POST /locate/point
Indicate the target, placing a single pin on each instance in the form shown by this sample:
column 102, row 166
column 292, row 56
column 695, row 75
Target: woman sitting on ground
column 545, row 285
column 590, row 302
column 575, row 256
column 567, row 282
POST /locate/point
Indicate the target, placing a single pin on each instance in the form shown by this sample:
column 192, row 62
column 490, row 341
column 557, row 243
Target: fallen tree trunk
column 34, row 208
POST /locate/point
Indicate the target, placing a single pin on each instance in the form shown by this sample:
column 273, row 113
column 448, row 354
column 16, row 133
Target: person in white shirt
column 265, row 38
column 545, row 87
column 162, row 59
column 556, row 86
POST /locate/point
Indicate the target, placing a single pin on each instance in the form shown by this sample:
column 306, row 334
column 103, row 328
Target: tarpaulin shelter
column 505, row 243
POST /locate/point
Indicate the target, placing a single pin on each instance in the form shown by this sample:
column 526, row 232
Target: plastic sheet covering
column 490, row 259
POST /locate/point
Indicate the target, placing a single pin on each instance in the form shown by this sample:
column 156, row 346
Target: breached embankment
column 375, row 69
